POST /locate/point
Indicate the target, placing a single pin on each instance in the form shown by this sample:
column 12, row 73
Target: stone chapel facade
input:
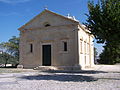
column 54, row 40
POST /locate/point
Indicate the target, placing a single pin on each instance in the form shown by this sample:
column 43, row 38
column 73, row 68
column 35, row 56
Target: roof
column 65, row 17
column 75, row 21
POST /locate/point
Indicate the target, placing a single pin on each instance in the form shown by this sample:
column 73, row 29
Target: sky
column 15, row 13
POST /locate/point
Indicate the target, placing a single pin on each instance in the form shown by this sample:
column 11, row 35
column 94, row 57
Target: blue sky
column 15, row 13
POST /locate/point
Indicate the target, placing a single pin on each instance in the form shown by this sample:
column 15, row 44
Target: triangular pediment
column 47, row 18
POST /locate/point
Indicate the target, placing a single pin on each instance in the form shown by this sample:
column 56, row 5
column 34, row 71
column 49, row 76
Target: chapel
column 53, row 40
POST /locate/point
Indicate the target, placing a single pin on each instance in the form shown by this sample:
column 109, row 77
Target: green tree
column 4, row 58
column 104, row 23
column 11, row 51
column 1, row 59
column 95, row 55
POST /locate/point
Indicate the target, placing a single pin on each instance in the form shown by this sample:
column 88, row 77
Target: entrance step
column 57, row 68
column 46, row 68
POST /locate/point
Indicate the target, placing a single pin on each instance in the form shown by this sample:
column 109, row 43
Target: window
column 31, row 48
column 47, row 25
column 88, row 48
column 65, row 46
column 81, row 46
column 85, row 47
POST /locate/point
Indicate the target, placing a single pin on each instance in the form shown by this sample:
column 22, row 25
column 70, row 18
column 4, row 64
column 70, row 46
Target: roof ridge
column 61, row 15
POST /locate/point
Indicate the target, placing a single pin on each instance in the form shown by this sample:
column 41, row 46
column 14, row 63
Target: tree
column 106, row 56
column 11, row 51
column 5, row 58
column 104, row 23
column 95, row 55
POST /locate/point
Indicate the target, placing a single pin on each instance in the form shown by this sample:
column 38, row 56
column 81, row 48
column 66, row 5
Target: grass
column 10, row 70
column 14, row 70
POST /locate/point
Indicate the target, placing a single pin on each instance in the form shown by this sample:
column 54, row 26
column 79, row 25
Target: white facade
column 70, row 42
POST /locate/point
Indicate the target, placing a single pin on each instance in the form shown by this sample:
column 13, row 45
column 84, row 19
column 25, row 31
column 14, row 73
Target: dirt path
column 107, row 68
column 102, row 77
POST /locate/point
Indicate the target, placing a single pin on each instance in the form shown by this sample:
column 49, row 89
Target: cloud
column 14, row 1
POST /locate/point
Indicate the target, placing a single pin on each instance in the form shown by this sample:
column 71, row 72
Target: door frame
column 42, row 52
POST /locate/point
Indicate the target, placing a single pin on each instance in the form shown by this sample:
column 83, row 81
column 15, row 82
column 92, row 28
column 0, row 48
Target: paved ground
column 98, row 78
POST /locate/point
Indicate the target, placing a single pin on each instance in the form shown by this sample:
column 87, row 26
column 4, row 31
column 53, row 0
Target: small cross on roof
column 46, row 7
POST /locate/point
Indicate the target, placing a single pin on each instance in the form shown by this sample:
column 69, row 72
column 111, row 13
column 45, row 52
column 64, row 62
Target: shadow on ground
column 109, row 78
column 62, row 78
column 69, row 76
column 65, row 76
column 77, row 72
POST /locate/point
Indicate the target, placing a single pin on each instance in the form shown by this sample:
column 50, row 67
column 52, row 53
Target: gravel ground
column 102, row 77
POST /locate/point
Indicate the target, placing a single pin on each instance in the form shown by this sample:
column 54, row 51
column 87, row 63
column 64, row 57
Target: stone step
column 57, row 68
column 46, row 68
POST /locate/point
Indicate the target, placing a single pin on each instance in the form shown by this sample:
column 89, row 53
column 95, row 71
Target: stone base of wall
column 58, row 68
column 37, row 67
column 42, row 68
